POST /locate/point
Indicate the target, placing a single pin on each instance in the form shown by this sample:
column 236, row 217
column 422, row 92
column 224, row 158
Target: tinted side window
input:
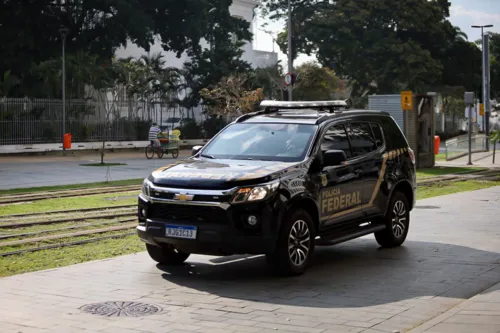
column 394, row 136
column 377, row 134
column 362, row 140
column 336, row 139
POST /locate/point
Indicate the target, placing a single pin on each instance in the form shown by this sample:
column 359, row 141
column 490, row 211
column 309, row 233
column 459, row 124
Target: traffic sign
column 288, row 79
column 481, row 109
column 407, row 100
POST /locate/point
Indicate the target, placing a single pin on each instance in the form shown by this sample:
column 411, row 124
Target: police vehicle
column 281, row 181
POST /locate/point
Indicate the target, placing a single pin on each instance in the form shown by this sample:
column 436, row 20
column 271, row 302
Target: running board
column 333, row 239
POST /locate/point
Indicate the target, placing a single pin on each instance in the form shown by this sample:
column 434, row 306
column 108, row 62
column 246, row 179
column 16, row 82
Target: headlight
column 146, row 188
column 255, row 193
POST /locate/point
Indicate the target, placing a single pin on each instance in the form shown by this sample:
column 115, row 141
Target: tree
column 494, row 64
column 380, row 46
column 270, row 79
column 226, row 37
column 230, row 97
column 100, row 27
column 315, row 82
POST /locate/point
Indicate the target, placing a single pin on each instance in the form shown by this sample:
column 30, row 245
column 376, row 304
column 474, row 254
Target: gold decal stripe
column 379, row 180
column 386, row 156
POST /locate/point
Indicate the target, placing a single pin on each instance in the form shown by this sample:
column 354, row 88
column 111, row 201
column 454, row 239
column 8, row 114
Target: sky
column 463, row 13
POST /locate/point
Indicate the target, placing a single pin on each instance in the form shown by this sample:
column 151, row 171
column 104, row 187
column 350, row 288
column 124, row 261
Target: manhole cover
column 121, row 309
column 427, row 207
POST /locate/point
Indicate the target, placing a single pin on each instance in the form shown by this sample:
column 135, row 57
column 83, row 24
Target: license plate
column 178, row 231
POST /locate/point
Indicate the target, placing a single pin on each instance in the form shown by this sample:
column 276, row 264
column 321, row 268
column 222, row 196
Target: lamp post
column 290, row 59
column 486, row 81
column 64, row 33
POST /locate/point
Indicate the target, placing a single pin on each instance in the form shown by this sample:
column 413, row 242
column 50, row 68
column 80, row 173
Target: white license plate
column 181, row 231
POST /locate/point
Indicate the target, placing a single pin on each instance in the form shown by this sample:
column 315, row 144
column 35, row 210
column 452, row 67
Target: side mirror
column 334, row 157
column 195, row 150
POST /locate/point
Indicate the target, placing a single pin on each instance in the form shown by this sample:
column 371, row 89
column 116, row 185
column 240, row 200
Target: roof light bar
column 303, row 104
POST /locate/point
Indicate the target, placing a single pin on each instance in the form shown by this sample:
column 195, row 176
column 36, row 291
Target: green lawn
column 441, row 171
column 444, row 188
column 137, row 182
column 441, row 157
column 89, row 201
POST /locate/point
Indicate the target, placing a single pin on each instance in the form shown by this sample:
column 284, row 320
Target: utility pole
column 469, row 101
column 290, row 59
column 486, row 81
column 64, row 33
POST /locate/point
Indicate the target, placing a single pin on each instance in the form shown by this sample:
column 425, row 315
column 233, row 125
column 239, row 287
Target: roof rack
column 272, row 106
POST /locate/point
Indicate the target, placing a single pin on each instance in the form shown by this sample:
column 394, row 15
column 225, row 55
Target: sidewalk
column 480, row 314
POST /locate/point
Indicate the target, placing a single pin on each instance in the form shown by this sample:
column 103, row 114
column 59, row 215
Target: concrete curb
column 56, row 148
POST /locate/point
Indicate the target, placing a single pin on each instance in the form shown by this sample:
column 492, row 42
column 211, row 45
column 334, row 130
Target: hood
column 202, row 173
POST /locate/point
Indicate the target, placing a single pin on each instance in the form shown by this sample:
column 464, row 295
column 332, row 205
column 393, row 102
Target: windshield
column 270, row 142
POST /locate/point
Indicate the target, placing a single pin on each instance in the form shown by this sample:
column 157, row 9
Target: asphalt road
column 45, row 171
column 451, row 254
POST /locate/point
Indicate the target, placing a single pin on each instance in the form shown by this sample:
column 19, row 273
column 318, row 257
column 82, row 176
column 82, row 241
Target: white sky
column 463, row 13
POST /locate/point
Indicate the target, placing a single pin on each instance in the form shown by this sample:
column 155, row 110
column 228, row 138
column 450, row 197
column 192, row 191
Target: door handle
column 358, row 172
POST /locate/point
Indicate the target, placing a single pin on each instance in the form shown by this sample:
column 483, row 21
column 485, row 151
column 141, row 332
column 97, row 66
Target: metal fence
column 459, row 146
column 31, row 121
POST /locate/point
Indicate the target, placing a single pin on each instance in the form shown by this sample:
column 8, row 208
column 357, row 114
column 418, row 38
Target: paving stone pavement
column 452, row 253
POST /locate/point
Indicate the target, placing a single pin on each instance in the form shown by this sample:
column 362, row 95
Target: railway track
column 35, row 196
column 88, row 222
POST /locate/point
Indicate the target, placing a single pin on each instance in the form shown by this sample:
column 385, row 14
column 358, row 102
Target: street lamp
column 486, row 83
column 290, row 59
column 64, row 33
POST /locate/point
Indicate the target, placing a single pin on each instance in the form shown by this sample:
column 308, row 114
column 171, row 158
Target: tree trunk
column 494, row 149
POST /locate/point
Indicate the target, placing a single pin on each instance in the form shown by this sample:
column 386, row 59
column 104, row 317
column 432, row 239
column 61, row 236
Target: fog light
column 252, row 220
column 143, row 212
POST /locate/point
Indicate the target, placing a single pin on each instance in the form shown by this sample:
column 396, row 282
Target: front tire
column 166, row 255
column 295, row 245
column 149, row 152
column 397, row 221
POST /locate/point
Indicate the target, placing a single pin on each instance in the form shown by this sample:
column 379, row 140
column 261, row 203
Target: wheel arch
column 309, row 205
column 404, row 187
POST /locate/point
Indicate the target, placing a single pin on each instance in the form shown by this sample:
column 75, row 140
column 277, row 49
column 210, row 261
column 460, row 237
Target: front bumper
column 220, row 230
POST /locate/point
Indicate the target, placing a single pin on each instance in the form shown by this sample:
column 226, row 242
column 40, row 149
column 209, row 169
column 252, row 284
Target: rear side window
column 336, row 139
column 394, row 136
column 377, row 134
column 362, row 139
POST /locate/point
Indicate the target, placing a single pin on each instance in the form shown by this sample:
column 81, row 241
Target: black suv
column 280, row 181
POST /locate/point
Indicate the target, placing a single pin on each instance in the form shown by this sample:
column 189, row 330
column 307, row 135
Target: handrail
column 459, row 146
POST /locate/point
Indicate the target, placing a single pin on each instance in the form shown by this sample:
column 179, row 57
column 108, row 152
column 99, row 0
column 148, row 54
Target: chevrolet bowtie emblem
column 183, row 197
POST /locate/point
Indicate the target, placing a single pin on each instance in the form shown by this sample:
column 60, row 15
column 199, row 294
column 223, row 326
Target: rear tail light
column 412, row 155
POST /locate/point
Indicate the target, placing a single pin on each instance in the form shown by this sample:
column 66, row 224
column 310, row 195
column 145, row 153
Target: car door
column 341, row 185
column 367, row 146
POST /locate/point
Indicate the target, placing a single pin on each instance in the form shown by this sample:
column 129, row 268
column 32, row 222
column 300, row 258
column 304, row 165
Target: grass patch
column 137, row 182
column 444, row 188
column 65, row 256
column 441, row 171
column 103, row 164
column 88, row 201
column 441, row 157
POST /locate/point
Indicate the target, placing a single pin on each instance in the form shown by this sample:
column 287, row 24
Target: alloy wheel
column 398, row 219
column 299, row 243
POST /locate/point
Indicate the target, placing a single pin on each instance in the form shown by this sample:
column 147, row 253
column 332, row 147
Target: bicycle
column 151, row 151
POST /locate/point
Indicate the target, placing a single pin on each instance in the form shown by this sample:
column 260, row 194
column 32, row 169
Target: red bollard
column 437, row 143
column 67, row 140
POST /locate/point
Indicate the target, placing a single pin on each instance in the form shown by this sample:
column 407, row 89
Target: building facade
column 240, row 8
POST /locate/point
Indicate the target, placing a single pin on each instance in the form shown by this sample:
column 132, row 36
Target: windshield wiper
column 208, row 156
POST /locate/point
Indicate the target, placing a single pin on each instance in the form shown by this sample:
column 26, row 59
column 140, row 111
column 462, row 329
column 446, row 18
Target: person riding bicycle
column 154, row 130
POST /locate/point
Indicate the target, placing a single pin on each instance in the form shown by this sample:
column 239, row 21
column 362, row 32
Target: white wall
column 241, row 8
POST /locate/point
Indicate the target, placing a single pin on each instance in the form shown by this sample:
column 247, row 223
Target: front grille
column 187, row 213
